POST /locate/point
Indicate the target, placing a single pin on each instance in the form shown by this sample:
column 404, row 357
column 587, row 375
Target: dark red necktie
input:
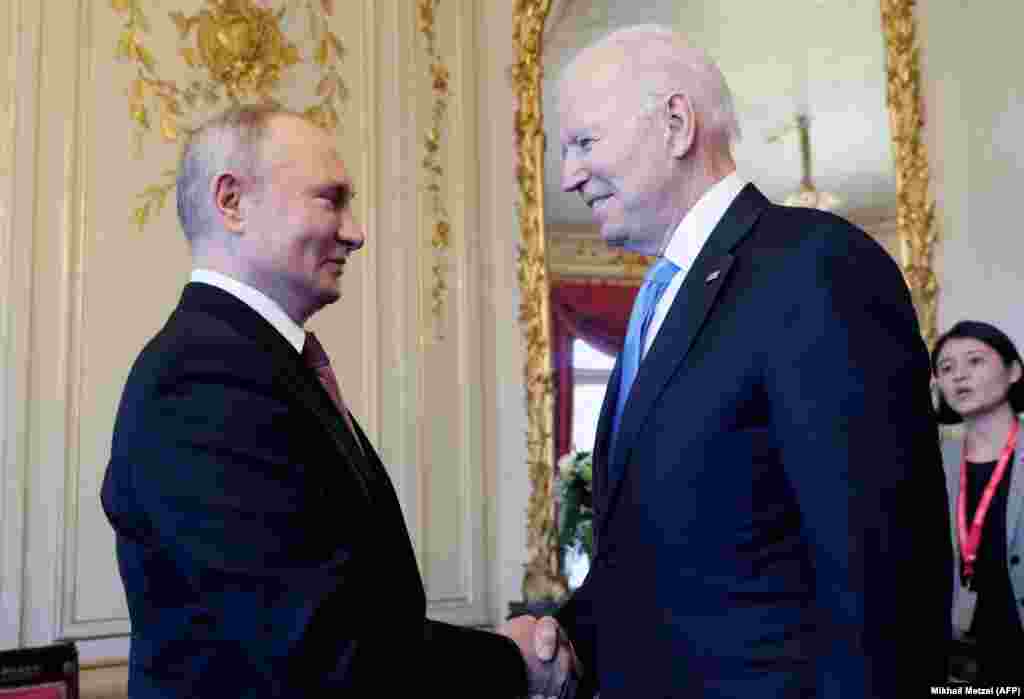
column 316, row 359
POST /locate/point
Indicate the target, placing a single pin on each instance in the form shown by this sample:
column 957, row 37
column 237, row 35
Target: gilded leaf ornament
column 233, row 51
column 441, row 230
column 915, row 210
column 543, row 578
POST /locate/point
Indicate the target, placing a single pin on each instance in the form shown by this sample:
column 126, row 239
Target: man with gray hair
column 260, row 541
column 770, row 512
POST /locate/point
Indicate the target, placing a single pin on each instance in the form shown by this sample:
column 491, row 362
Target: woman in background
column 977, row 372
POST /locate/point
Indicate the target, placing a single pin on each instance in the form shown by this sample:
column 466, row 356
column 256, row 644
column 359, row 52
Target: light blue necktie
column 657, row 279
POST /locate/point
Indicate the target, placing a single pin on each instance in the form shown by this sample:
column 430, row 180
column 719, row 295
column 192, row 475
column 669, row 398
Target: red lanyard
column 970, row 541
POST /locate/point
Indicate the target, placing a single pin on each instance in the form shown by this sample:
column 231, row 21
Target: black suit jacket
column 776, row 527
column 262, row 554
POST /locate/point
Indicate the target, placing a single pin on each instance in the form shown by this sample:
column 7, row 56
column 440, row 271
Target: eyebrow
column 340, row 191
column 969, row 353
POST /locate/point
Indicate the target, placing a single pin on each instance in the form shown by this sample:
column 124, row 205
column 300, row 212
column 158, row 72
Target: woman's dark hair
column 994, row 338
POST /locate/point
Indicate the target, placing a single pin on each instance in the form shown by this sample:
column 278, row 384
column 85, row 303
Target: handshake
column 551, row 662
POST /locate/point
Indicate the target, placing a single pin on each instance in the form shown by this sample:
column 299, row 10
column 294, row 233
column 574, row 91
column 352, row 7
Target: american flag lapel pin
column 712, row 277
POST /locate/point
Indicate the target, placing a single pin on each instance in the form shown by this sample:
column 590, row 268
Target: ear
column 1015, row 371
column 682, row 124
column 227, row 199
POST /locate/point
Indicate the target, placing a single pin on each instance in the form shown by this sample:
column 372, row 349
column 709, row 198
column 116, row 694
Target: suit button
column 1014, row 559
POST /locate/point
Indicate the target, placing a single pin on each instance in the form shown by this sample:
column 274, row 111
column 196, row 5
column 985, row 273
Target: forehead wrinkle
column 967, row 347
column 326, row 163
column 596, row 84
column 602, row 65
column 607, row 69
column 290, row 135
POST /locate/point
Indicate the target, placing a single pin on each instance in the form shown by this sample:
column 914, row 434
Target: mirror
column 850, row 68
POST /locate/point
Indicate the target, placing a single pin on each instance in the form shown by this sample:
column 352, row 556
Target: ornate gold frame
column 915, row 228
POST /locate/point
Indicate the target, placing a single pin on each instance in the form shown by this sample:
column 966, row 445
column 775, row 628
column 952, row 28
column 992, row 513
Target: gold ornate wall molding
column 542, row 579
column 232, row 51
column 915, row 212
column 915, row 228
column 576, row 254
column 441, row 231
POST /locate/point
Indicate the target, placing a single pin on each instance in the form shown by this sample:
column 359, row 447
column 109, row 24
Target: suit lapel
column 316, row 399
column 296, row 379
column 689, row 313
column 602, row 441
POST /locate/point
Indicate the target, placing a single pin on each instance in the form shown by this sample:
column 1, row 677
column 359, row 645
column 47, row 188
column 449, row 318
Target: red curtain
column 595, row 311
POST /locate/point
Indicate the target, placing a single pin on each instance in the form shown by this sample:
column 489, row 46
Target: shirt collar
column 698, row 223
column 258, row 301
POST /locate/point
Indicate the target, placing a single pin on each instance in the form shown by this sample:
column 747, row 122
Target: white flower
column 567, row 464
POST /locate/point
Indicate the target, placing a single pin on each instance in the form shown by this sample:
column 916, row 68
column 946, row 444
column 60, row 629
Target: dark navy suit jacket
column 263, row 555
column 773, row 520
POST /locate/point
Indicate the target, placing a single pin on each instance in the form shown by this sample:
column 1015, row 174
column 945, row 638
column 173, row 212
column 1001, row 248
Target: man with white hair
column 770, row 510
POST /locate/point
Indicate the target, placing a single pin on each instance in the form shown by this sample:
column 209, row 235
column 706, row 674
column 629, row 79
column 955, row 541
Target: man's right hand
column 546, row 651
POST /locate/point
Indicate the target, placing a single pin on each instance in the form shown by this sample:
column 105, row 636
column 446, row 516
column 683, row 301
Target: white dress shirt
column 688, row 239
column 257, row 301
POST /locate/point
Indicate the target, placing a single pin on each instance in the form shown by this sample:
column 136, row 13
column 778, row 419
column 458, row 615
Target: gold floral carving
column 543, row 579
column 575, row 253
column 621, row 263
column 915, row 224
column 233, row 49
column 915, row 213
column 440, row 238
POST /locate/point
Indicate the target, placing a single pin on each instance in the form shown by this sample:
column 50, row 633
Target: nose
column 351, row 233
column 574, row 174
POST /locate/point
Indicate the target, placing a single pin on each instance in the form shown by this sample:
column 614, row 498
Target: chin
column 614, row 236
column 618, row 236
column 329, row 295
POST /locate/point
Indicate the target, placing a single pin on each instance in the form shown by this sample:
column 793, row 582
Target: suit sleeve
column 458, row 661
column 848, row 388
column 576, row 617
column 213, row 496
column 216, row 540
